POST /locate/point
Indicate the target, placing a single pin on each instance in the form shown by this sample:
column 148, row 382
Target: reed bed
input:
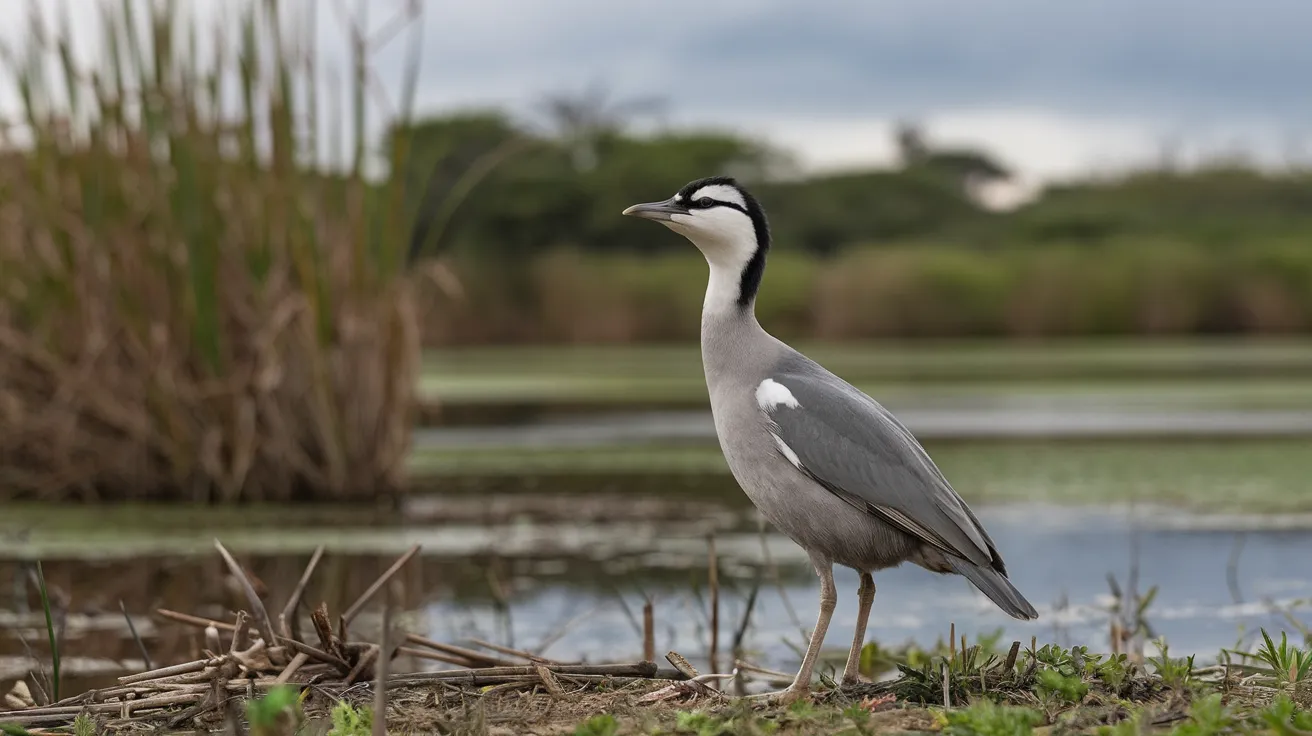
column 202, row 295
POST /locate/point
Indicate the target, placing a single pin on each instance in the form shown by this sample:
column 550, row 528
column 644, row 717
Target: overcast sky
column 1054, row 88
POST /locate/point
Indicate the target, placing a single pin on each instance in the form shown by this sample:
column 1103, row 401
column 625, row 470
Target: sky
column 1055, row 89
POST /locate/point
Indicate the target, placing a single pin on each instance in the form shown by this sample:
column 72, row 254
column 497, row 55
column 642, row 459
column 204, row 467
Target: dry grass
column 189, row 309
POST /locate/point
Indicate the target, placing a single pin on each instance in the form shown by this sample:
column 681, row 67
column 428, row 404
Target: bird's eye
column 705, row 202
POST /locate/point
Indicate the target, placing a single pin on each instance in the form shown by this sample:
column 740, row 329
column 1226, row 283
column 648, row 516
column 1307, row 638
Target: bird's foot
column 849, row 679
column 788, row 696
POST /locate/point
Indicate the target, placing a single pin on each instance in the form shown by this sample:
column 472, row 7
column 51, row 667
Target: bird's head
column 723, row 220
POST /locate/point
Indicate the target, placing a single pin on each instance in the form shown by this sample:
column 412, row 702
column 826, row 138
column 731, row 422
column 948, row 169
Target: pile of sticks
column 260, row 656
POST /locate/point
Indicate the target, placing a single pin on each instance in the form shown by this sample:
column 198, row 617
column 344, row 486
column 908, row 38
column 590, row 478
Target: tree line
column 482, row 184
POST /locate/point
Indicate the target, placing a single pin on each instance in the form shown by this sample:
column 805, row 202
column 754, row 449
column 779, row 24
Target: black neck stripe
column 750, row 280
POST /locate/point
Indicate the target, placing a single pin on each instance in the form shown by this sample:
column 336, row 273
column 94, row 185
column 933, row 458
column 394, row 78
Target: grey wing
column 853, row 446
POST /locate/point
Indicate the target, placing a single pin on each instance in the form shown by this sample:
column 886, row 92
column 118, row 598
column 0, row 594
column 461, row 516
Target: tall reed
column 192, row 306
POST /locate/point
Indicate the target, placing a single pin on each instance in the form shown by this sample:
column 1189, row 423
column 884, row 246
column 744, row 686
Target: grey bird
column 823, row 462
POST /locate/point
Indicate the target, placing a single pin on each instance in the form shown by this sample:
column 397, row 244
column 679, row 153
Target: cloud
column 1055, row 86
column 1161, row 57
column 1052, row 86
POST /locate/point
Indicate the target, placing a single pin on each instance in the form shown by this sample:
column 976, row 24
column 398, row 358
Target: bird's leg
column 828, row 599
column 865, row 598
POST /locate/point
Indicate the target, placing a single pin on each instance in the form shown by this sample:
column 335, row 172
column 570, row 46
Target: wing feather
column 853, row 446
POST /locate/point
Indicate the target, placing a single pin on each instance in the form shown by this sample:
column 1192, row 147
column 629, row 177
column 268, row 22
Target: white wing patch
column 787, row 451
column 771, row 394
column 720, row 193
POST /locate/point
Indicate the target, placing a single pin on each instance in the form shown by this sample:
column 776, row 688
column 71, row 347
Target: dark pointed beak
column 657, row 210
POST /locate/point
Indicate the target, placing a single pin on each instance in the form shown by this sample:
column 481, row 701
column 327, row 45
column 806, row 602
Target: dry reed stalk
column 436, row 657
column 521, row 653
column 288, row 616
column 287, row 672
column 257, row 606
column 486, row 675
column 190, row 620
column 377, row 585
column 382, row 670
column 190, row 307
column 479, row 658
column 648, row 631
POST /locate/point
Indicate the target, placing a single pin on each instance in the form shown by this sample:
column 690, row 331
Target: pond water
column 568, row 574
column 547, row 525
column 1059, row 557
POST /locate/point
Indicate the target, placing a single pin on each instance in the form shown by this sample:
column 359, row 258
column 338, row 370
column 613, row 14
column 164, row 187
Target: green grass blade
column 50, row 630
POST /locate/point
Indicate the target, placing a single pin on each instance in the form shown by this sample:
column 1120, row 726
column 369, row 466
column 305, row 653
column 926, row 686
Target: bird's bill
column 657, row 210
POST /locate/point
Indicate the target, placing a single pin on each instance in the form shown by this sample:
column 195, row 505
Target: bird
column 824, row 463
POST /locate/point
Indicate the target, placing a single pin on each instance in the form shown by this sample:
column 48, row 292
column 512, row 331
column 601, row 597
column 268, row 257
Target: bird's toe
column 782, row 697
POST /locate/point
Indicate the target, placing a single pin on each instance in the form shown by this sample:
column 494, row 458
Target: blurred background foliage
column 911, row 250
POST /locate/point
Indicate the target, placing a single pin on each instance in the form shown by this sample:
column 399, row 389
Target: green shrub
column 1133, row 286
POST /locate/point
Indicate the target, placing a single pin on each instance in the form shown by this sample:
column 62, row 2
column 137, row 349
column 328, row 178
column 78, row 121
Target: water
column 1060, row 558
column 555, row 522
column 540, row 578
column 1068, row 419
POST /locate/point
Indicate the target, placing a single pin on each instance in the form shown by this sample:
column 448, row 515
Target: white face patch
column 720, row 193
column 787, row 452
column 771, row 394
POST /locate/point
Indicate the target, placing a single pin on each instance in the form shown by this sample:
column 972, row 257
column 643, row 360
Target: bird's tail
column 996, row 586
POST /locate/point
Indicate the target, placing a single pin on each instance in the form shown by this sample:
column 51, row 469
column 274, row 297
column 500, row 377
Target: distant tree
column 583, row 121
column 966, row 168
column 911, row 147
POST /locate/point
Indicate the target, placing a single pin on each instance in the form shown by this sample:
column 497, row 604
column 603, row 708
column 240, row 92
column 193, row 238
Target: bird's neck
column 736, row 269
column 729, row 325
column 724, row 293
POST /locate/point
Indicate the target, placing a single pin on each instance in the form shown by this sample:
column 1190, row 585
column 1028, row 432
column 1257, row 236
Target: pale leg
column 828, row 599
column 865, row 598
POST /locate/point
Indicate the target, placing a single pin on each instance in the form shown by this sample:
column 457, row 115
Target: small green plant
column 1113, row 673
column 1289, row 664
column 1285, row 718
column 702, row 724
column 1070, row 689
column 277, row 713
column 348, row 720
column 1057, row 658
column 985, row 718
column 1175, row 673
column 1207, row 717
column 858, row 715
column 802, row 709
column 8, row 729
column 84, row 726
column 603, row 724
